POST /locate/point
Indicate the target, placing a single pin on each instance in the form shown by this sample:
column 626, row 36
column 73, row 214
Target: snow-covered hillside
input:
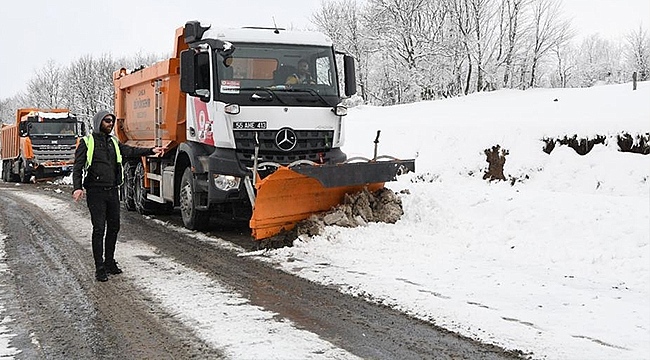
column 557, row 265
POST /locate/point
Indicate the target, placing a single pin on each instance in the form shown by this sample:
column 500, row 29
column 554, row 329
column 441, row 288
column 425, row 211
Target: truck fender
column 192, row 152
column 187, row 156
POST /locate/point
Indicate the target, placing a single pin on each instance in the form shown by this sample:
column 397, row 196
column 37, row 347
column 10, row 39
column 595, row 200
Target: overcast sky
column 35, row 31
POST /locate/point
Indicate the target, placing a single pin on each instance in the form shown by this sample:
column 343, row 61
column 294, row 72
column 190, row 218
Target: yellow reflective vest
column 90, row 150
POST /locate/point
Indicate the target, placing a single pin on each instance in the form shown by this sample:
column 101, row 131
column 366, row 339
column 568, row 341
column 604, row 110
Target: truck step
column 155, row 198
column 154, row 177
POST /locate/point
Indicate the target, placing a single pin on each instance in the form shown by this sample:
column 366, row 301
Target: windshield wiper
column 274, row 94
column 310, row 91
column 256, row 97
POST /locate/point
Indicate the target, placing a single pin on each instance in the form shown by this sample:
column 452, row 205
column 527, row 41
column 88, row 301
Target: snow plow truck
column 239, row 141
column 40, row 144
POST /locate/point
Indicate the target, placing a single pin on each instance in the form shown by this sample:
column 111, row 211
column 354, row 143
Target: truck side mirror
column 23, row 128
column 195, row 74
column 81, row 128
column 188, row 73
column 350, row 77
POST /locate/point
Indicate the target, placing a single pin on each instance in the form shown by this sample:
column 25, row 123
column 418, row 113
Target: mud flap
column 290, row 195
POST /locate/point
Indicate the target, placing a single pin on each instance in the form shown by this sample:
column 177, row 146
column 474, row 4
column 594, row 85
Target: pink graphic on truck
column 203, row 123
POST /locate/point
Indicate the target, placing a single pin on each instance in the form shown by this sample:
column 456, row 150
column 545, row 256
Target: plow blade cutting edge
column 292, row 194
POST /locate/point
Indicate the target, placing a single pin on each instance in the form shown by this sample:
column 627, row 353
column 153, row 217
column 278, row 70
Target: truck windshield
column 278, row 67
column 52, row 128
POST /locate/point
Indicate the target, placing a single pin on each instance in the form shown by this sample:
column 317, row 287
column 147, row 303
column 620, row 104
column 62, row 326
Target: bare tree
column 482, row 12
column 342, row 21
column 463, row 23
column 599, row 61
column 548, row 30
column 90, row 84
column 85, row 86
column 8, row 110
column 510, row 33
column 409, row 33
column 566, row 63
column 453, row 64
column 638, row 52
column 475, row 22
column 82, row 84
column 105, row 67
column 45, row 88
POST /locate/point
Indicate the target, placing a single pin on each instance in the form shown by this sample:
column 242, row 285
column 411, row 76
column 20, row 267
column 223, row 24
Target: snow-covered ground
column 6, row 351
column 556, row 265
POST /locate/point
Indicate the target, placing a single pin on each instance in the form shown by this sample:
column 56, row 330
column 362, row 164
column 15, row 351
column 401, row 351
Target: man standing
column 99, row 159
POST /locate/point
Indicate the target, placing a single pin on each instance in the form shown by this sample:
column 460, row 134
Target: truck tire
column 193, row 219
column 129, row 186
column 142, row 205
column 5, row 171
column 11, row 176
column 22, row 174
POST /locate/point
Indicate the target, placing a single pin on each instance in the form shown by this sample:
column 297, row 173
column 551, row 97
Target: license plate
column 249, row 125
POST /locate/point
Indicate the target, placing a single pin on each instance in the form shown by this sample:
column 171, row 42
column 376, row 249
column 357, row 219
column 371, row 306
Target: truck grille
column 58, row 150
column 309, row 144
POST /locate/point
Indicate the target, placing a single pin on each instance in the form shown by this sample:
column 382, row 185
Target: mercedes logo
column 285, row 139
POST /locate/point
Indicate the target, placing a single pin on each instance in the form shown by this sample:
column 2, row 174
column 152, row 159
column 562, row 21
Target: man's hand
column 158, row 150
column 77, row 194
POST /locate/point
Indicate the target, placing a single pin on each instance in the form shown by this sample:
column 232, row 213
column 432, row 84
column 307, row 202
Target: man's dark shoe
column 111, row 268
column 100, row 274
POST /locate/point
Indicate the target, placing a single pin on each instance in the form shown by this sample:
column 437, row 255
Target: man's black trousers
column 104, row 206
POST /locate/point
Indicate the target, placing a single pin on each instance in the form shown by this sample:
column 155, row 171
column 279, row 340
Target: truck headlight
column 232, row 109
column 340, row 110
column 225, row 182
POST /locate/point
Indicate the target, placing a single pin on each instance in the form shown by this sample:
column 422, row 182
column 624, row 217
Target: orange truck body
column 152, row 102
column 39, row 145
column 135, row 101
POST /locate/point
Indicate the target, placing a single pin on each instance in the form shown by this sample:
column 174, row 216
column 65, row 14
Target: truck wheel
column 129, row 187
column 193, row 219
column 5, row 171
column 142, row 205
column 22, row 174
column 11, row 176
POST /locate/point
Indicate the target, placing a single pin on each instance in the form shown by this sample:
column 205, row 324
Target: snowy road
column 183, row 294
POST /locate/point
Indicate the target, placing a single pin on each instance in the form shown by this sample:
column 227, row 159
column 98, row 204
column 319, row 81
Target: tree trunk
column 506, row 74
column 469, row 76
column 532, row 73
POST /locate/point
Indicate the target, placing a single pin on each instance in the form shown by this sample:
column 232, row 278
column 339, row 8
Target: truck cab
column 244, row 94
column 41, row 144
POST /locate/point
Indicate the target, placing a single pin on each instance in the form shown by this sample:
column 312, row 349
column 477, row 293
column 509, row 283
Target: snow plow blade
column 294, row 193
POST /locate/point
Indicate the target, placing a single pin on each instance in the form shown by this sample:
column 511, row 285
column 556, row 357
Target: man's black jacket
column 103, row 171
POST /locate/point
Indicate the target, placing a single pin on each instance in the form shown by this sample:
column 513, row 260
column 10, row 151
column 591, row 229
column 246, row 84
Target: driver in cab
column 302, row 76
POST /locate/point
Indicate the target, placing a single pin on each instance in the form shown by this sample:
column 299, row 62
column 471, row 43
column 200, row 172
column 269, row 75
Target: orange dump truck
column 241, row 142
column 39, row 145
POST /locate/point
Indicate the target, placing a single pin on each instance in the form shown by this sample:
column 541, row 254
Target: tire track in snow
column 219, row 316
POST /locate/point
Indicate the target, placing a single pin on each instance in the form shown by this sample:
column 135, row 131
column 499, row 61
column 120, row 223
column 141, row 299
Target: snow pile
column 357, row 209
